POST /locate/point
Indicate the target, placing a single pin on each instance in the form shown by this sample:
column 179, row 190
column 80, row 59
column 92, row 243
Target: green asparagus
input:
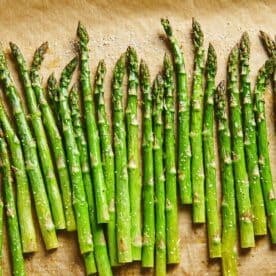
column 197, row 169
column 89, row 263
column 159, row 178
column 107, row 159
column 134, row 166
column 23, row 198
column 100, row 248
column 229, row 231
column 213, row 225
column 18, row 266
column 148, row 174
column 184, row 151
column 245, row 215
column 1, row 236
column 92, row 130
column 42, row 145
column 250, row 145
column 31, row 157
column 53, row 96
column 262, row 142
column 170, row 171
column 54, row 138
column 73, row 158
column 122, row 201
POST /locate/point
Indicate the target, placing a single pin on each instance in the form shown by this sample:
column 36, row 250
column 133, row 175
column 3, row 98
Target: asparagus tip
column 14, row 48
column 211, row 63
column 166, row 25
column 144, row 70
column 82, row 33
column 245, row 43
column 197, row 33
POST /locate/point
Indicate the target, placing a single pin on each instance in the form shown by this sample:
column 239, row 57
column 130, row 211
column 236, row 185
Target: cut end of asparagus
column 197, row 34
column 167, row 27
column 82, row 33
column 211, row 63
column 144, row 71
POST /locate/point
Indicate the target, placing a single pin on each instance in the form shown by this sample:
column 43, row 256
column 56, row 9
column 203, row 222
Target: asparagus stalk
column 213, row 224
column 23, row 199
column 263, row 150
column 73, row 158
column 241, row 181
column 159, row 178
column 184, row 151
column 92, row 130
column 134, row 166
column 148, row 174
column 1, row 237
column 170, row 171
column 122, row 201
column 108, row 161
column 12, row 222
column 250, row 145
column 197, row 170
column 229, row 231
column 89, row 263
column 54, row 138
column 31, row 157
column 42, row 145
column 100, row 248
column 52, row 88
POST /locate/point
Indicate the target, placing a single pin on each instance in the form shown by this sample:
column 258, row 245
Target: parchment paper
column 113, row 25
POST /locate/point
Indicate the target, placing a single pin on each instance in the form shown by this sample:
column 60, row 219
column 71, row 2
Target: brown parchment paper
column 113, row 25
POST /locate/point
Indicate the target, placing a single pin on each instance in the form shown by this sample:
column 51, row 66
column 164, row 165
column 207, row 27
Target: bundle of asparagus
column 87, row 174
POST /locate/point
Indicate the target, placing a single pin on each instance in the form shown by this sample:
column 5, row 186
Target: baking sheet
column 113, row 25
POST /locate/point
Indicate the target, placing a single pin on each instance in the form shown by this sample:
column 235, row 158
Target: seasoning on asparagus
column 100, row 248
column 213, row 224
column 122, row 201
column 170, row 170
column 148, row 174
column 197, row 170
column 229, row 231
column 42, row 145
column 159, row 178
column 23, row 198
column 134, row 166
column 263, row 149
column 92, row 130
column 184, row 150
column 245, row 215
column 107, row 160
column 14, row 239
column 250, row 146
column 73, row 158
column 30, row 156
column 54, row 138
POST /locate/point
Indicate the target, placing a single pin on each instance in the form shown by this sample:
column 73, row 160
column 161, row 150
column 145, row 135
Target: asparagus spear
column 134, row 166
column 73, row 158
column 170, row 171
column 54, row 138
column 229, row 231
column 52, row 88
column 262, row 142
column 12, row 222
column 92, row 130
column 213, row 225
column 250, row 146
column 23, row 199
column 148, row 175
column 159, row 178
column 42, row 145
column 31, row 158
column 241, row 181
column 184, row 151
column 122, row 201
column 107, row 159
column 197, row 170
column 89, row 263
column 100, row 248
column 1, row 237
